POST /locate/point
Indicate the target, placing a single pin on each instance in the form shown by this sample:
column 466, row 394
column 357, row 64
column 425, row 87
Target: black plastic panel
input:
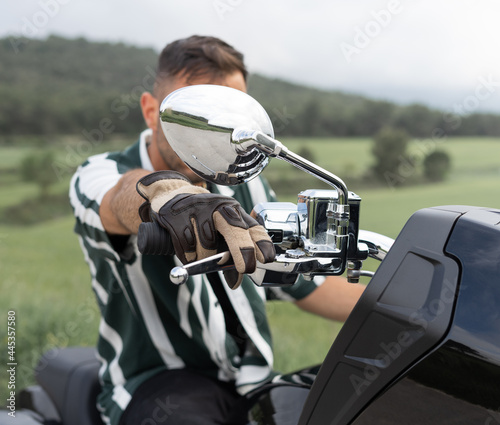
column 409, row 402
column 70, row 378
column 458, row 382
column 401, row 316
column 281, row 405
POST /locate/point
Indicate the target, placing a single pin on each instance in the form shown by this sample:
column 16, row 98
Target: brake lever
column 180, row 274
column 284, row 264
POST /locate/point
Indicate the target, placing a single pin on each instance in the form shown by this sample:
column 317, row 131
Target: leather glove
column 196, row 219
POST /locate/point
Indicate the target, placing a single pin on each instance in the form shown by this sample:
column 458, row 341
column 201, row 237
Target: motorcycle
column 422, row 345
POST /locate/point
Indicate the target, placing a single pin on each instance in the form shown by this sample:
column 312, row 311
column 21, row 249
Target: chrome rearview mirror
column 203, row 124
column 225, row 136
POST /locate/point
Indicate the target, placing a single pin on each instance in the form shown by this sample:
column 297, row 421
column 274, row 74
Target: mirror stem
column 275, row 148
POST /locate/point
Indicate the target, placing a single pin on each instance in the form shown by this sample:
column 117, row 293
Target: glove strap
column 160, row 187
column 146, row 185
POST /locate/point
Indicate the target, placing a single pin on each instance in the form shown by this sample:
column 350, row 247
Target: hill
column 63, row 86
column 69, row 86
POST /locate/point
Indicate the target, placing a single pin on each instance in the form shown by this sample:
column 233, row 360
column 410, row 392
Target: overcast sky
column 444, row 53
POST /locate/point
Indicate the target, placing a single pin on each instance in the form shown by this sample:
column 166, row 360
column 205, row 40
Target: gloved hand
column 196, row 219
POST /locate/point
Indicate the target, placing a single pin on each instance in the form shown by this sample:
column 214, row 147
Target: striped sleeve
column 90, row 183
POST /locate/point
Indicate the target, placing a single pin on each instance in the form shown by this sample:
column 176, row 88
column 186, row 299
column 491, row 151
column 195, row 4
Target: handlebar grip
column 152, row 239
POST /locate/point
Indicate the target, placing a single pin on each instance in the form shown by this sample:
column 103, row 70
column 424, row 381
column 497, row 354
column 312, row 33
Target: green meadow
column 45, row 281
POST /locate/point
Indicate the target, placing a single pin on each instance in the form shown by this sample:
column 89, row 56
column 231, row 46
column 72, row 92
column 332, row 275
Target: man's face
column 172, row 161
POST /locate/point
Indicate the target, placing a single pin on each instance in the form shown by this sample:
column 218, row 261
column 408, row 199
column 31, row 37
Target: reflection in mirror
column 199, row 123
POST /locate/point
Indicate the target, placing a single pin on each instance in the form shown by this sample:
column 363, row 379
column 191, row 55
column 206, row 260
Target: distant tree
column 417, row 120
column 372, row 116
column 389, row 149
column 37, row 168
column 436, row 166
column 311, row 118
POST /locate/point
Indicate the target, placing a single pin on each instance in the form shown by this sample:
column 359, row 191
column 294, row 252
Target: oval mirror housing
column 199, row 122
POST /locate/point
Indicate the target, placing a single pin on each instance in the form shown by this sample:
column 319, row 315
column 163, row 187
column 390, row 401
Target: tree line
column 65, row 86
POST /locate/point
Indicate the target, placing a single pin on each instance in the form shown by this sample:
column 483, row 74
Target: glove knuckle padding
column 207, row 234
column 207, row 245
column 233, row 215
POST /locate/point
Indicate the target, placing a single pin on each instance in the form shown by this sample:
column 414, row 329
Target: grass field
column 474, row 178
column 46, row 282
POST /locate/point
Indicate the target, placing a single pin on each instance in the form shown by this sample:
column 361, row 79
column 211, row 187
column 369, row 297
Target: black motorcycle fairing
column 457, row 383
column 278, row 405
column 394, row 324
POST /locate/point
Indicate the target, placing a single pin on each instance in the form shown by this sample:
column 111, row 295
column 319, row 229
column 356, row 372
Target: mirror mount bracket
column 245, row 140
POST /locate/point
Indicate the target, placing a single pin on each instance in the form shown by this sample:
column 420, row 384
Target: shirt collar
column 143, row 150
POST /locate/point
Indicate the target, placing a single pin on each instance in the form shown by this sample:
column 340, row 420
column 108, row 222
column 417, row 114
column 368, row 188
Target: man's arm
column 334, row 299
column 120, row 205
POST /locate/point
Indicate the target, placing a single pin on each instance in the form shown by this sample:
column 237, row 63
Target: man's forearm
column 119, row 207
column 334, row 299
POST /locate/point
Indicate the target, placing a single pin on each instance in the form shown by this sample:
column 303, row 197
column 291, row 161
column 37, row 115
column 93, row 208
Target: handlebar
column 152, row 239
column 378, row 244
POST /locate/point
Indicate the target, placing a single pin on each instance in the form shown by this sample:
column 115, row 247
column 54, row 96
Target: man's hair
column 198, row 56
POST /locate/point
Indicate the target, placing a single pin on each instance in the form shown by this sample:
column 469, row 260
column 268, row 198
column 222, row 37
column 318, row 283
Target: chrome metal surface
column 295, row 253
column 281, row 221
column 353, row 275
column 318, row 172
column 180, row 275
column 322, row 233
column 378, row 245
column 199, row 122
column 304, row 264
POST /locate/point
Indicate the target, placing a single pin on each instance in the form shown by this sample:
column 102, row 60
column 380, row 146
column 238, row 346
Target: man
column 181, row 353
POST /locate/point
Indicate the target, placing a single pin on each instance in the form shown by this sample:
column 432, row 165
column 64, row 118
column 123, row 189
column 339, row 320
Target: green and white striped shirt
column 149, row 324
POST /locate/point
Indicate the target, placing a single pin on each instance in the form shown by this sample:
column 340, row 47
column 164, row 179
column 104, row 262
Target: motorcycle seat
column 70, row 378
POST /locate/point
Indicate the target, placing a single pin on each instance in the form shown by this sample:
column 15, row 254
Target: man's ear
column 150, row 110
